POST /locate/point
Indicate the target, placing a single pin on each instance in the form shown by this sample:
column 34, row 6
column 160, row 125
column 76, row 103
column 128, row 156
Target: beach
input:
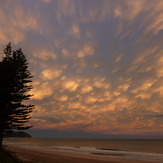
column 38, row 155
column 67, row 150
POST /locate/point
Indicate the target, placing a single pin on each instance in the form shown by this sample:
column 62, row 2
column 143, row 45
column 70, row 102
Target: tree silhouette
column 15, row 79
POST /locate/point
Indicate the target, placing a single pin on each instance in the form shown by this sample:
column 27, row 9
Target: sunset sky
column 97, row 64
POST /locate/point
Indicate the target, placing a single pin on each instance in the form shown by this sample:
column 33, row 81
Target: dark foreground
column 7, row 157
column 26, row 155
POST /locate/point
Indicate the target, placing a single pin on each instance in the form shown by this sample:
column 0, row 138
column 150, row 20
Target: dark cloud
column 156, row 115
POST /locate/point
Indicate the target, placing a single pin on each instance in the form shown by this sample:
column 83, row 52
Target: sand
column 38, row 155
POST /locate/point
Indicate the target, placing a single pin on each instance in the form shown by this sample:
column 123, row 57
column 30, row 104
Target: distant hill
column 17, row 134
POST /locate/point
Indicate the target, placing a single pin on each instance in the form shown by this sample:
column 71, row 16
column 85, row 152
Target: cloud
column 46, row 1
column 159, row 90
column 144, row 86
column 66, row 8
column 50, row 74
column 45, row 55
column 18, row 23
column 117, row 12
column 159, row 66
column 86, row 89
column 71, row 85
column 156, row 115
column 94, row 63
column 76, row 31
column 90, row 100
column 118, row 58
column 155, row 18
column 42, row 91
column 87, row 50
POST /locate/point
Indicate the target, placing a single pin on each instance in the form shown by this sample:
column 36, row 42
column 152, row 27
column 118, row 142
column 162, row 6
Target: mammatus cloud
column 97, row 65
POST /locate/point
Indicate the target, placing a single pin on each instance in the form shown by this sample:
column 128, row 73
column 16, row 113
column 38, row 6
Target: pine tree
column 15, row 79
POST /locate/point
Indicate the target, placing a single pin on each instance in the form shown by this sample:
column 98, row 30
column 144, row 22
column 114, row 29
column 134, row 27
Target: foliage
column 15, row 79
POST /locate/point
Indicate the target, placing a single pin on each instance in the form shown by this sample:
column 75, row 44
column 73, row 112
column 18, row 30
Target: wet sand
column 38, row 155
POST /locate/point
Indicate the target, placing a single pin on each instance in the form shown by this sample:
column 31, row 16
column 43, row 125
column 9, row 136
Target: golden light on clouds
column 94, row 62
column 70, row 85
column 50, row 74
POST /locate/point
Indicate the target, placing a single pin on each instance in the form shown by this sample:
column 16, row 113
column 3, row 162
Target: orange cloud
column 50, row 74
column 42, row 91
column 86, row 89
column 96, row 69
column 71, row 85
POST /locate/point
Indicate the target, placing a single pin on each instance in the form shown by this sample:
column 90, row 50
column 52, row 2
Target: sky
column 97, row 64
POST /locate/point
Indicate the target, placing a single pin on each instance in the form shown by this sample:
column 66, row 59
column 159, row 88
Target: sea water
column 129, row 145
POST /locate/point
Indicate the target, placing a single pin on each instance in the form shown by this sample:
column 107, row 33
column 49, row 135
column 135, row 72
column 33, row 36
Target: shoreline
column 33, row 154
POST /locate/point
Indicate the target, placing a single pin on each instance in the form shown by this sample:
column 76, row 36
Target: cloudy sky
column 97, row 64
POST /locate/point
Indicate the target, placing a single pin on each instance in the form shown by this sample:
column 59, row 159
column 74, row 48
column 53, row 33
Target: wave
column 99, row 152
column 106, row 152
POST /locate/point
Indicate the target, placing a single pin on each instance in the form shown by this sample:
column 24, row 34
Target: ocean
column 129, row 145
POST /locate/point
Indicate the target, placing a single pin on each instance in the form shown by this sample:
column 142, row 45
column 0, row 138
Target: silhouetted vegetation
column 17, row 134
column 15, row 79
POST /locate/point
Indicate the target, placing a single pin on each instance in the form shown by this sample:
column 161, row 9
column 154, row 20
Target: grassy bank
column 6, row 157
